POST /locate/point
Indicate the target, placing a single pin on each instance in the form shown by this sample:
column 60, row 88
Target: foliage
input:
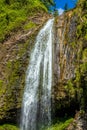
column 13, row 14
column 29, row 25
column 61, row 124
column 55, row 12
column 66, row 7
column 48, row 3
column 1, row 82
column 8, row 127
column 78, row 85
column 70, row 89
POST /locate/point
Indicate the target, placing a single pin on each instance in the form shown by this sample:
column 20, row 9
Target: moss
column 78, row 76
column 9, row 64
column 10, row 20
column 82, row 112
column 14, row 16
column 84, row 57
column 61, row 125
column 83, row 68
column 79, row 30
column 73, row 44
column 70, row 89
column 8, row 127
column 30, row 25
column 1, row 83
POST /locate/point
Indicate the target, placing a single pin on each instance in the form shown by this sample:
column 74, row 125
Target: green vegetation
column 29, row 25
column 55, row 13
column 78, row 85
column 48, row 3
column 70, row 89
column 1, row 82
column 8, row 127
column 81, row 39
column 13, row 15
column 61, row 124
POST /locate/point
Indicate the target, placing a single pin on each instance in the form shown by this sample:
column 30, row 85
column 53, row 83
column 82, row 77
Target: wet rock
column 79, row 123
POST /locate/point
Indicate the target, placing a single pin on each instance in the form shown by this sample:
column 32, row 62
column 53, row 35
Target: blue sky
column 61, row 3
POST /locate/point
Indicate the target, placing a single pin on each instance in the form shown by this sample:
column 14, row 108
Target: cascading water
column 36, row 111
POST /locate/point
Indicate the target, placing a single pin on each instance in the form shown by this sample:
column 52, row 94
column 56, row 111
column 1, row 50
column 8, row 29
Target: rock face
column 64, row 67
column 70, row 66
column 79, row 123
column 14, row 58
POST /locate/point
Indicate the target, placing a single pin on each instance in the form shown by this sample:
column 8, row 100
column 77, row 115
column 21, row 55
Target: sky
column 61, row 3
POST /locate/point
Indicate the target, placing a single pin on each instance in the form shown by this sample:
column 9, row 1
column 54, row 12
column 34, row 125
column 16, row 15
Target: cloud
column 60, row 11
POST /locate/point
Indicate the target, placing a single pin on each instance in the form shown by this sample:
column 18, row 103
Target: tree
column 51, row 2
column 48, row 3
column 56, row 12
column 66, row 7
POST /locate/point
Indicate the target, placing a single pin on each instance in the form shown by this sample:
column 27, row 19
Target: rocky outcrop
column 79, row 123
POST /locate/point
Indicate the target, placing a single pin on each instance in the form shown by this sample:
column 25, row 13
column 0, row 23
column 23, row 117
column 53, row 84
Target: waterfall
column 36, row 109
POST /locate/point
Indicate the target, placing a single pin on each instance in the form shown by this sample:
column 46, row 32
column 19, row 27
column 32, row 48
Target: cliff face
column 14, row 57
column 64, row 65
column 70, row 65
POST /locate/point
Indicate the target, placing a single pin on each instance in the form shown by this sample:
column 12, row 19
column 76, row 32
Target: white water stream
column 36, row 110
